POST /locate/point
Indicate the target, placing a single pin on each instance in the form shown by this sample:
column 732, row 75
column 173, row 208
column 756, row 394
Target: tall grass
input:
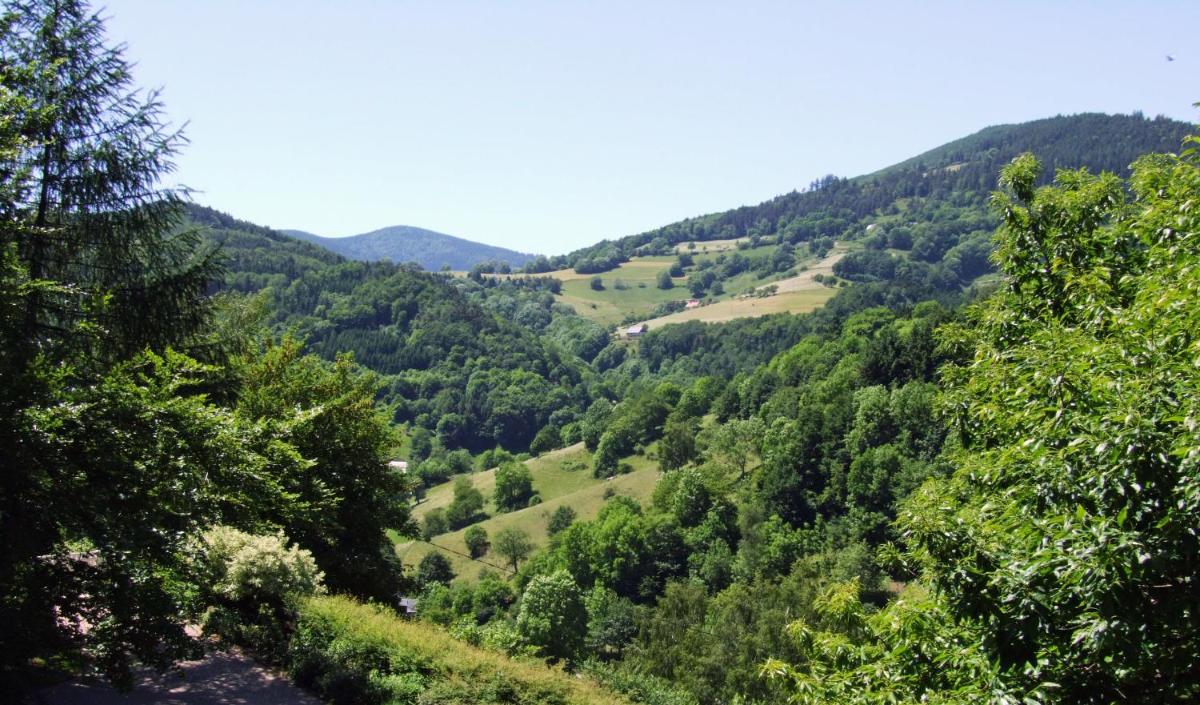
column 355, row 654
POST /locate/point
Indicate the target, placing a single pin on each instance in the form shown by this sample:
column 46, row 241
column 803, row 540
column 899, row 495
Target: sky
column 548, row 126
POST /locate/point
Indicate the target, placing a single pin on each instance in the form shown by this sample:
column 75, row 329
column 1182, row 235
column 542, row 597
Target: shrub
column 250, row 584
column 562, row 517
column 434, row 568
column 435, row 524
column 476, row 538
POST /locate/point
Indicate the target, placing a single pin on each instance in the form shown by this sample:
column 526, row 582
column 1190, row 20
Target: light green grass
column 350, row 637
column 574, row 488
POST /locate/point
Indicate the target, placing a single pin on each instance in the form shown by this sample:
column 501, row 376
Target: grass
column 350, row 649
column 711, row 246
column 797, row 294
column 730, row 309
column 557, row 486
column 552, row 477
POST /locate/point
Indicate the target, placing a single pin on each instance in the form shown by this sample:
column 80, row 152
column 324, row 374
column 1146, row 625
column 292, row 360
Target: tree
column 597, row 284
column 467, row 505
column 664, row 280
column 553, row 617
column 677, row 446
column 1060, row 555
column 476, row 538
column 434, row 569
column 513, row 544
column 546, row 440
column 347, row 497
column 435, row 524
column 514, row 486
column 562, row 517
column 422, row 445
column 112, row 456
column 612, row 623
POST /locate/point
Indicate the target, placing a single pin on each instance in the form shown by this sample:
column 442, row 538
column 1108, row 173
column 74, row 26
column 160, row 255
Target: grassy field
column 555, row 482
column 798, row 294
column 729, row 309
column 632, row 288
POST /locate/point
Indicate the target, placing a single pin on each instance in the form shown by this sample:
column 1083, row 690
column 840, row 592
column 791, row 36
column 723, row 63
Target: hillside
column 450, row 365
column 965, row 169
column 560, row 478
column 433, row 251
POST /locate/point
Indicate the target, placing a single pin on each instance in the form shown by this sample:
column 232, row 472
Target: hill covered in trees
column 922, row 492
column 433, row 251
column 930, row 201
column 459, row 359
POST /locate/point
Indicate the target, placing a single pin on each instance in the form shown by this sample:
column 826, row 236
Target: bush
column 562, row 517
column 547, row 439
column 250, row 584
column 243, row 566
column 435, row 524
column 434, row 568
column 476, row 539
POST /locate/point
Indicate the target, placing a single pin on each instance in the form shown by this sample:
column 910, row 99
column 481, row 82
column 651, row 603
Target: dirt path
column 222, row 678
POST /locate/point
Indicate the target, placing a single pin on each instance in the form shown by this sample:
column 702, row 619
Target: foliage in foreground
column 1062, row 552
column 354, row 653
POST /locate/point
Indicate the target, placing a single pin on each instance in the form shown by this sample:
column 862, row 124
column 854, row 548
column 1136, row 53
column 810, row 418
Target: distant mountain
column 403, row 243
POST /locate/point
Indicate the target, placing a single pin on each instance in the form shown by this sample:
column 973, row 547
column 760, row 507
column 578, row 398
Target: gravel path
column 222, row 678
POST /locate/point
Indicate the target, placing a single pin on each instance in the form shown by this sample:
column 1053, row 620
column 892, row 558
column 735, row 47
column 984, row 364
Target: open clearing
column 557, row 486
column 798, row 294
column 705, row 246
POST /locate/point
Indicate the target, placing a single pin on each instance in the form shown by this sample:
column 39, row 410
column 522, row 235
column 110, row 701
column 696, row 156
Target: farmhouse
column 636, row 331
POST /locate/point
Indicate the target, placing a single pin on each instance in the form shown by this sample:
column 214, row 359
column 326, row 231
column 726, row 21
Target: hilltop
column 433, row 251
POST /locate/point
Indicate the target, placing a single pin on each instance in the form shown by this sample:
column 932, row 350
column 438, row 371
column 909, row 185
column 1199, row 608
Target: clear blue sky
column 546, row 126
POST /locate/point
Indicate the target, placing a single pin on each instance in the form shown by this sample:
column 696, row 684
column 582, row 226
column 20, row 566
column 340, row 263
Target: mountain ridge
column 430, row 249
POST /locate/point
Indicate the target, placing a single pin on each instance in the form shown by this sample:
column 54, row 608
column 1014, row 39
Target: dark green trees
column 1060, row 557
column 111, row 455
column 514, row 486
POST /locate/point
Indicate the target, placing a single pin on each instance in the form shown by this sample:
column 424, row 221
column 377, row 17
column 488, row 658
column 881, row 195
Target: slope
column 965, row 168
column 449, row 364
column 433, row 251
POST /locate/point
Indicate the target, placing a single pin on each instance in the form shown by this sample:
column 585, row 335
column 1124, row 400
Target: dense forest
column 971, row 476
column 928, row 204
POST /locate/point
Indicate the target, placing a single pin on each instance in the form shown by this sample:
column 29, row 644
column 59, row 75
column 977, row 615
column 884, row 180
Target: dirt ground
column 222, row 678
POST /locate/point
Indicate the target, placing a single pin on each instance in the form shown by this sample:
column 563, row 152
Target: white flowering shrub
column 248, row 567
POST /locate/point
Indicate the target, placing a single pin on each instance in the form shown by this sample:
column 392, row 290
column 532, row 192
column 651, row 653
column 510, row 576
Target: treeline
column 962, row 172
column 460, row 358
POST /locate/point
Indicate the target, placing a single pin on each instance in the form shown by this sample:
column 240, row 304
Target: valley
column 921, row 435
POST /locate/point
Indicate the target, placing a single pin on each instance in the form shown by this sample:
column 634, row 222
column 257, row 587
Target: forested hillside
column 450, row 364
column 930, row 202
column 972, row 475
column 431, row 250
